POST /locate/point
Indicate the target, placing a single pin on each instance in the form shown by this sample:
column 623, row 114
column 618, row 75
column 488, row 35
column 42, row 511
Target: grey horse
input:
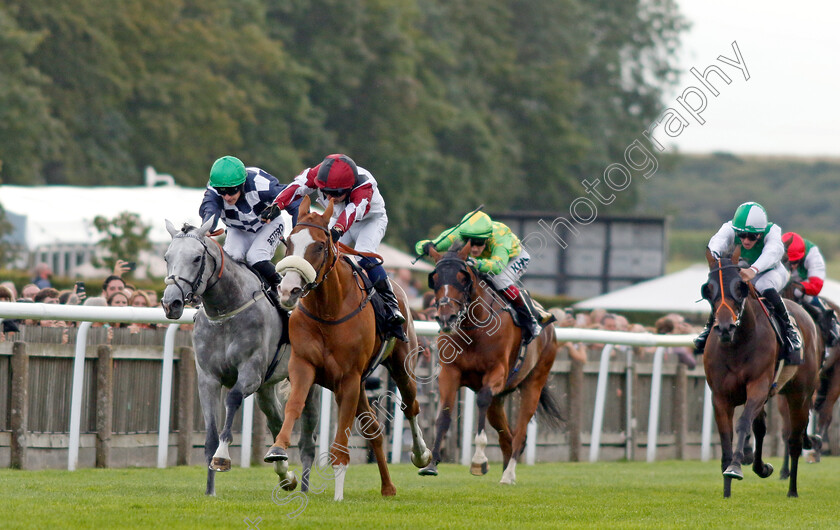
column 237, row 340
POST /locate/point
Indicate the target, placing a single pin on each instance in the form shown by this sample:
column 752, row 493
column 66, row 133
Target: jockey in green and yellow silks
column 495, row 251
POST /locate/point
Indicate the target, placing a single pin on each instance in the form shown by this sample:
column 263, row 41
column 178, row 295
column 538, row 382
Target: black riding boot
column 271, row 277
column 700, row 341
column 827, row 322
column 792, row 343
column 530, row 325
column 395, row 317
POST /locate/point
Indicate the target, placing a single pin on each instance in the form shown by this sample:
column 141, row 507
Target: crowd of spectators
column 115, row 292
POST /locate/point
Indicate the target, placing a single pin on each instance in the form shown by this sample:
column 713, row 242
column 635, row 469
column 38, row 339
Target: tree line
column 510, row 103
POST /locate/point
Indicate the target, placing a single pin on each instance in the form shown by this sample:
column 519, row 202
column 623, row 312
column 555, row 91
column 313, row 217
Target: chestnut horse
column 740, row 361
column 479, row 348
column 334, row 339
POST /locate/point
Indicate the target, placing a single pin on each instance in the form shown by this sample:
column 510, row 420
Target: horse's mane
column 188, row 227
column 456, row 247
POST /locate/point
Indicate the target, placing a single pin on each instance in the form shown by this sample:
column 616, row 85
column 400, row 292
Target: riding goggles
column 230, row 191
column 477, row 242
column 747, row 235
column 334, row 192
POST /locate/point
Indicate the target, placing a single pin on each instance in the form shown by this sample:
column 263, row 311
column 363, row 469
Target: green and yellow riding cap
column 477, row 225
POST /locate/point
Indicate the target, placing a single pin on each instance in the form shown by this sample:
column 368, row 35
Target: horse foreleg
column 301, row 377
column 398, row 368
column 784, row 413
column 723, row 419
column 247, row 382
column 270, row 405
column 306, row 445
column 761, row 468
column 478, row 466
column 756, row 396
column 498, row 419
column 798, row 427
column 209, row 393
column 448, row 383
column 347, row 398
column 372, row 432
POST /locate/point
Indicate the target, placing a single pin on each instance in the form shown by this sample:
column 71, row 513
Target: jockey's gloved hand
column 269, row 214
column 336, row 233
column 471, row 261
column 427, row 247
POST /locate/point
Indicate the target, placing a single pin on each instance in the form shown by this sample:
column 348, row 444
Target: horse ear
column 329, row 210
column 434, row 254
column 710, row 257
column 736, row 256
column 464, row 253
column 205, row 228
column 706, row 292
column 303, row 209
column 171, row 228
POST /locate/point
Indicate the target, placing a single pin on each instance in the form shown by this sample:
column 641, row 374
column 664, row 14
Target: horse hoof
column 734, row 471
column 793, row 494
column 220, row 464
column 422, row 460
column 389, row 491
column 428, row 471
column 290, row 482
column 479, row 469
column 507, row 482
column 765, row 471
column 784, row 475
column 275, row 454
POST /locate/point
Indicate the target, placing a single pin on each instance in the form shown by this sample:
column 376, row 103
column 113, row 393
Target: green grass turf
column 563, row 495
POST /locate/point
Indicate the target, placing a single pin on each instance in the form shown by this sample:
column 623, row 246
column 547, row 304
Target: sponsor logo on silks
column 519, row 264
column 276, row 235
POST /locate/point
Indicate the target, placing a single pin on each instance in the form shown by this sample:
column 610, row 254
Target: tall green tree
column 123, row 237
column 29, row 134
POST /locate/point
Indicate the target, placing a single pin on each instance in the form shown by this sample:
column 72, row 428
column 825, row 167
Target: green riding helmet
column 750, row 217
column 478, row 225
column 227, row 172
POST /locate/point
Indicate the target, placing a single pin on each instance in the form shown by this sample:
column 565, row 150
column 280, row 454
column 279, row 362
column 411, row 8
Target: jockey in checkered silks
column 238, row 195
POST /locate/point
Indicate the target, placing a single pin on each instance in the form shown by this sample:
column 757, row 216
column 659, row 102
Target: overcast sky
column 791, row 103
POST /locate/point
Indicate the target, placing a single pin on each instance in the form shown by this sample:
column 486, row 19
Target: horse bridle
column 190, row 297
column 736, row 314
column 466, row 290
column 326, row 252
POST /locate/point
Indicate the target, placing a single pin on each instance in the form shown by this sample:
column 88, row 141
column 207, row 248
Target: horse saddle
column 380, row 316
column 375, row 299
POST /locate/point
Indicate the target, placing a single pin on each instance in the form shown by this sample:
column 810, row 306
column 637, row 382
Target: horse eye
column 197, row 259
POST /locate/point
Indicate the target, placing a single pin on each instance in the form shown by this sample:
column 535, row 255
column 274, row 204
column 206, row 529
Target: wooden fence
column 121, row 406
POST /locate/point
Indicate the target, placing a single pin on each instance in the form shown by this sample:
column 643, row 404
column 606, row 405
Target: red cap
column 796, row 247
column 336, row 172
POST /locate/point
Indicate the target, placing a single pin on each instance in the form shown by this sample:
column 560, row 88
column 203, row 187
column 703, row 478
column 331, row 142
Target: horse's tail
column 550, row 411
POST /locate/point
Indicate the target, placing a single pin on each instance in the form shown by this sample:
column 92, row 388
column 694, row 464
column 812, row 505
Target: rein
column 196, row 283
column 339, row 248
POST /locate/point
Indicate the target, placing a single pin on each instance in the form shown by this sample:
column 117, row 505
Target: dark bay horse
column 829, row 388
column 237, row 344
column 334, row 339
column 479, row 348
column 740, row 361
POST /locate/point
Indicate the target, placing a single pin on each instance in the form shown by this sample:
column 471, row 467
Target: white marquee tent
column 677, row 292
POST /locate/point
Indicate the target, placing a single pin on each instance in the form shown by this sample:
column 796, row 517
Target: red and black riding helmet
column 337, row 175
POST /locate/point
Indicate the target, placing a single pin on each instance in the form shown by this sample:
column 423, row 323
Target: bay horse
column 740, row 361
column 335, row 342
column 829, row 387
column 237, row 340
column 479, row 348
